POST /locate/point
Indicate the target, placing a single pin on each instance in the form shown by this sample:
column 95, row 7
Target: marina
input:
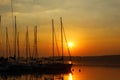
column 33, row 63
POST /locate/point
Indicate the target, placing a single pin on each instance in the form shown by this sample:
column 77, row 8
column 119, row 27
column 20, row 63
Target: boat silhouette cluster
column 28, row 64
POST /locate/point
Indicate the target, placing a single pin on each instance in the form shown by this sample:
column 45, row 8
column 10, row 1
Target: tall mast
column 7, row 52
column 15, row 38
column 35, row 42
column 53, row 39
column 18, row 50
column 15, row 28
column 27, row 44
column 0, row 21
column 61, row 36
column 0, row 33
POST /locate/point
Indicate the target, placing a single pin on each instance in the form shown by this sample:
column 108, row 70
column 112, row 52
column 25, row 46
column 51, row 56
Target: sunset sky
column 93, row 26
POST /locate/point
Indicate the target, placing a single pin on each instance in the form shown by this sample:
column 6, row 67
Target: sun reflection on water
column 70, row 76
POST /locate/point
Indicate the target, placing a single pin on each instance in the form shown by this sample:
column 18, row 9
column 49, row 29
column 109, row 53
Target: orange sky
column 93, row 26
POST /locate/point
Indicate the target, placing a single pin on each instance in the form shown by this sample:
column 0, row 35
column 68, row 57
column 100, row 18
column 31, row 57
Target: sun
column 70, row 44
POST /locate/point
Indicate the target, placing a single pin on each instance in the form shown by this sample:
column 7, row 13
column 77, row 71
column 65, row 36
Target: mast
column 18, row 50
column 57, row 45
column 15, row 29
column 15, row 38
column 0, row 21
column 7, row 52
column 9, row 48
column 27, row 45
column 53, row 40
column 0, row 33
column 35, row 42
column 29, row 48
column 62, row 37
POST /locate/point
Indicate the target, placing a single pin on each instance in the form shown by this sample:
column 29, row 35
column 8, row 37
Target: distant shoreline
column 105, row 60
column 102, row 61
column 97, row 65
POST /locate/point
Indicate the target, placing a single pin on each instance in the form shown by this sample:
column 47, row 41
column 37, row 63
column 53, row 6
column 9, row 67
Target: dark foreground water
column 78, row 73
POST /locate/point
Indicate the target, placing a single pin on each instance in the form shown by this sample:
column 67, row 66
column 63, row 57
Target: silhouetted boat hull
column 19, row 68
column 38, row 68
column 53, row 68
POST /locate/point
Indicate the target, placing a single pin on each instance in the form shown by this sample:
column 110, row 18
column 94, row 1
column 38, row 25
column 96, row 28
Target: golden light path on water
column 70, row 76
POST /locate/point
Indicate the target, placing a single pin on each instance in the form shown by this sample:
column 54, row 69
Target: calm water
column 85, row 73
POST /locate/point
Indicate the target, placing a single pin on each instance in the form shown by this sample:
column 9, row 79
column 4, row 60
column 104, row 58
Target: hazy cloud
column 100, row 12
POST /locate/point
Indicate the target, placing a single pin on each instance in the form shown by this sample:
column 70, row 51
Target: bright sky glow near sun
column 70, row 44
column 93, row 26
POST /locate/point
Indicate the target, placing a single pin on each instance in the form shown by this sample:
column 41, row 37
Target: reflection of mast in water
column 49, row 77
column 54, row 77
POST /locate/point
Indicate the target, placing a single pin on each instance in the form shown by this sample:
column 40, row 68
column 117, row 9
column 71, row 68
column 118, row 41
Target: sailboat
column 54, row 66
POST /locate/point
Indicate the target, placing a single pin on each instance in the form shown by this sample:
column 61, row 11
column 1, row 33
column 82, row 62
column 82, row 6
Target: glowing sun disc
column 70, row 44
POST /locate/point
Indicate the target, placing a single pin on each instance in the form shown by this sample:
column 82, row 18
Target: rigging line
column 57, row 45
column 67, row 43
